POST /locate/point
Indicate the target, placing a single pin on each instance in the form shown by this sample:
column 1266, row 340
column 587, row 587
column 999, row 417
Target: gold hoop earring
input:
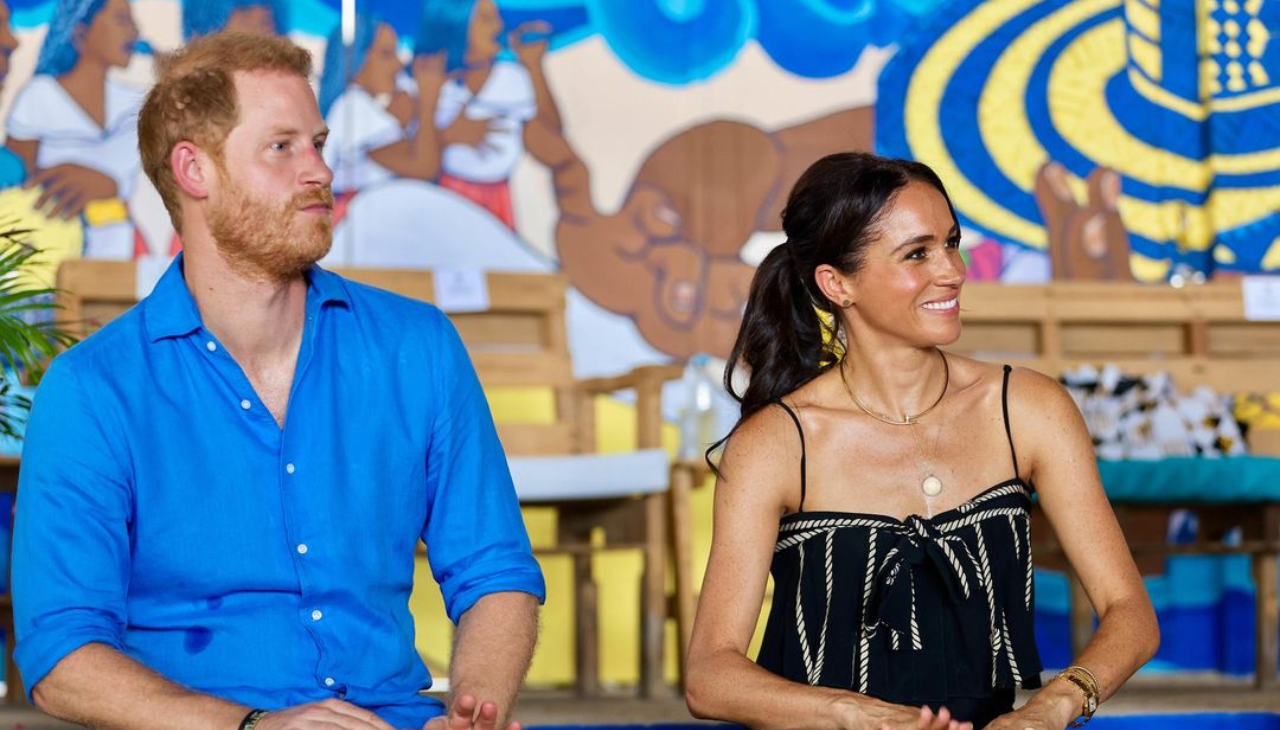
column 846, row 304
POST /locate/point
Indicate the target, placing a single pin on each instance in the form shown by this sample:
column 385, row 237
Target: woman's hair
column 202, row 17
column 790, row 331
column 58, row 53
column 339, row 67
column 444, row 27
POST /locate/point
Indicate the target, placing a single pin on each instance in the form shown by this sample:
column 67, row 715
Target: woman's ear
column 836, row 286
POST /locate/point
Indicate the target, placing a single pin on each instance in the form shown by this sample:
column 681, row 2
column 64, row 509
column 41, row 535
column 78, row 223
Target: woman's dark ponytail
column 781, row 338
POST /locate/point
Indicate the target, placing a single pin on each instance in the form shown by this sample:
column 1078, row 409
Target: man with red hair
column 223, row 489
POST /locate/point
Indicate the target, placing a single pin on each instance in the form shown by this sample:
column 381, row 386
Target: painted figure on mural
column 411, row 176
column 1087, row 242
column 12, row 169
column 669, row 257
column 202, row 17
column 75, row 128
column 483, row 99
column 372, row 118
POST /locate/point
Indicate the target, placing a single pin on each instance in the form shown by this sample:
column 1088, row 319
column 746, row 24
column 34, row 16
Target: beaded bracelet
column 252, row 719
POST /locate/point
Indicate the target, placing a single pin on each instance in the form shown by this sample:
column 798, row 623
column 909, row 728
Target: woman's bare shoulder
column 1024, row 383
column 762, row 456
column 770, row 429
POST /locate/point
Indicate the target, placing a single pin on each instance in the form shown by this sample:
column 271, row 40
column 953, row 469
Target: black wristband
column 250, row 720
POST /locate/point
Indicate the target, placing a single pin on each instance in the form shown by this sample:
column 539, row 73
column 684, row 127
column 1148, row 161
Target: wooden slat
column 1123, row 340
column 533, row 439
column 504, row 330
column 516, row 368
column 1196, row 333
column 1021, row 338
column 987, row 301
column 92, row 293
column 1112, row 302
column 507, row 291
column 1264, row 441
column 1251, row 339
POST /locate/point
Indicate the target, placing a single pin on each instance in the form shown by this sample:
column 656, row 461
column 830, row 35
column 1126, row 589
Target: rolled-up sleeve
column 475, row 536
column 71, row 532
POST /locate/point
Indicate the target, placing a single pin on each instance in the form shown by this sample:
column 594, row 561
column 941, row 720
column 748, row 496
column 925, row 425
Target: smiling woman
column 885, row 486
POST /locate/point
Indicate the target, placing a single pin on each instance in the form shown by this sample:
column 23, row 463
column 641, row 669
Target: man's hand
column 325, row 715
column 463, row 716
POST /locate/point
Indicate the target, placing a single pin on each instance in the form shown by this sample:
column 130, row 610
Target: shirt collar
column 170, row 310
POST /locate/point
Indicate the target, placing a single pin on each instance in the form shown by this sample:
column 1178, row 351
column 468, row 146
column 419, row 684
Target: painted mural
column 643, row 148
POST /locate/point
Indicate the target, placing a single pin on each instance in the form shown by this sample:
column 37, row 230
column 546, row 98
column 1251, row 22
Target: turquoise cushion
column 1235, row 479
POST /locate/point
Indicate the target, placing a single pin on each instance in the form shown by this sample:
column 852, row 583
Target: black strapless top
column 935, row 611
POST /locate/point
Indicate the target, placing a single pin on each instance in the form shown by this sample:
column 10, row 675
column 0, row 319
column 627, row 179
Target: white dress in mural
column 43, row 111
column 507, row 101
column 358, row 124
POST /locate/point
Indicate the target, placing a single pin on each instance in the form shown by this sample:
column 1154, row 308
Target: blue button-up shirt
column 163, row 512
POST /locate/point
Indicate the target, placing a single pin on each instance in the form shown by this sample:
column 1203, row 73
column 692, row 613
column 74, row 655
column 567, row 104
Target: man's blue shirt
column 163, row 512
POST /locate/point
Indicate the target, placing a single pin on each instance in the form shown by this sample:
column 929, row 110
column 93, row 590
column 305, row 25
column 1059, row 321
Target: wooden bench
column 517, row 342
column 1199, row 335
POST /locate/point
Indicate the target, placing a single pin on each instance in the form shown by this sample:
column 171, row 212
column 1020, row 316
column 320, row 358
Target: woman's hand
column 1050, row 709
column 401, row 107
column 530, row 41
column 429, row 74
column 870, row 714
column 68, row 188
column 469, row 132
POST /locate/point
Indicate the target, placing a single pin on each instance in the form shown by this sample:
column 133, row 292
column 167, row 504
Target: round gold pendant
column 931, row 486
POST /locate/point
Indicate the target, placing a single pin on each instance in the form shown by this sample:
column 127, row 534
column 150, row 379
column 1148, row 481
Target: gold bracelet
column 1088, row 684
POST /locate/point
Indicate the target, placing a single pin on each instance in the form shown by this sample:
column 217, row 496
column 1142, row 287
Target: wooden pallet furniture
column 1199, row 335
column 518, row 341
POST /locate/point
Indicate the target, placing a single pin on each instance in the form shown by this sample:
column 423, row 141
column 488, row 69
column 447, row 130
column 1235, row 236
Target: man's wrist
column 251, row 720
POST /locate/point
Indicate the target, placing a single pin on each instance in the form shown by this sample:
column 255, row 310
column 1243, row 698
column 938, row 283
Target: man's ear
column 838, row 287
column 192, row 169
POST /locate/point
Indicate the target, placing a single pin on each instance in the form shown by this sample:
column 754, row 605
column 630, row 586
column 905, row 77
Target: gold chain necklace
column 931, row 485
column 907, row 418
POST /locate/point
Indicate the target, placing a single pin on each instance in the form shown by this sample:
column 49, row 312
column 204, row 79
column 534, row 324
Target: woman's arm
column 419, row 156
column 1061, row 464
column 69, row 187
column 26, row 150
column 760, row 474
column 530, row 43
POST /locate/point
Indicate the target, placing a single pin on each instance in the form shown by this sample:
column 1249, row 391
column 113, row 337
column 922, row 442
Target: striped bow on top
column 922, row 607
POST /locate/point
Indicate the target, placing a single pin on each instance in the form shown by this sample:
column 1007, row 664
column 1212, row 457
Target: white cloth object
column 590, row 476
column 358, row 124
column 507, row 99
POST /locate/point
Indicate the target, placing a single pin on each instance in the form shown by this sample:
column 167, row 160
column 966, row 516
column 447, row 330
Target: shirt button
column 316, row 615
column 329, row 681
column 211, row 345
column 245, row 404
column 289, row 468
column 302, row 550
